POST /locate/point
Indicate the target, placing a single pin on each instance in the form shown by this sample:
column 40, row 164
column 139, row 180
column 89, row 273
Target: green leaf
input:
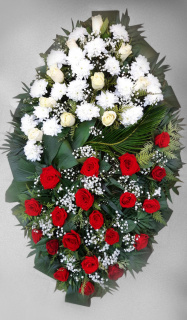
column 104, row 166
column 52, row 145
column 75, row 297
column 138, row 259
column 157, row 216
column 15, row 189
column 82, row 133
column 104, row 26
column 22, row 170
column 64, row 158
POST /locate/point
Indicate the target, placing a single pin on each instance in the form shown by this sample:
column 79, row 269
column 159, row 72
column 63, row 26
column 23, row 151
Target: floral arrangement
column 94, row 154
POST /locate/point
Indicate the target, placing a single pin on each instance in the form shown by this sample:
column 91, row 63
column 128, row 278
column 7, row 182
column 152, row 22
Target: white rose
column 108, row 118
column 96, row 23
column 55, row 74
column 98, row 80
column 141, row 84
column 71, row 43
column 35, row 134
column 67, row 119
column 125, row 51
column 47, row 102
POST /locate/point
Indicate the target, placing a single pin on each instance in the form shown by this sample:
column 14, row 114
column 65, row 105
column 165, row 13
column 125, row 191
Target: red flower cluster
column 84, row 199
column 71, row 240
column 114, row 272
column 90, row 264
column 52, row 246
column 96, row 219
column 127, row 200
column 90, row 167
column 36, row 235
column 151, row 205
column 49, row 177
column 32, row 207
column 111, row 236
column 88, row 288
column 141, row 241
column 162, row 140
column 61, row 274
column 128, row 164
column 59, row 216
column 158, row 173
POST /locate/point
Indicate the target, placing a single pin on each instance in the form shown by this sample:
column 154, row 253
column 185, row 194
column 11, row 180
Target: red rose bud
column 151, row 205
column 52, row 246
column 128, row 164
column 96, row 219
column 59, row 216
column 71, row 240
column 162, row 140
column 127, row 200
column 111, row 236
column 61, row 274
column 32, row 207
column 84, row 199
column 158, row 173
column 90, row 264
column 90, row 167
column 49, row 177
column 114, row 272
column 88, row 288
column 36, row 235
column 141, row 241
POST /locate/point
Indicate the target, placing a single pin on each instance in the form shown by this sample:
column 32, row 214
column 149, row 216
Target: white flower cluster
column 67, row 201
column 108, row 260
column 84, row 152
column 93, row 184
column 129, row 242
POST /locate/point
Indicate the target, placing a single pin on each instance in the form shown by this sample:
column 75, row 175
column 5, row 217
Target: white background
column 27, row 28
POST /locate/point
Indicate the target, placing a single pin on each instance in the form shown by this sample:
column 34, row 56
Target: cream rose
column 35, row 134
column 108, row 118
column 67, row 119
column 97, row 23
column 71, row 43
column 125, row 51
column 47, row 102
column 98, row 80
column 141, row 84
column 55, row 74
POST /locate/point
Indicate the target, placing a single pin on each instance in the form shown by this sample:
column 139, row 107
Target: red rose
column 52, row 246
column 32, row 207
column 111, row 236
column 128, row 164
column 84, row 199
column 88, row 288
column 141, row 241
column 162, row 140
column 49, row 177
column 36, row 235
column 71, row 240
column 61, row 274
column 151, row 205
column 158, row 173
column 114, row 272
column 90, row 167
column 96, row 219
column 59, row 216
column 127, row 200
column 90, row 264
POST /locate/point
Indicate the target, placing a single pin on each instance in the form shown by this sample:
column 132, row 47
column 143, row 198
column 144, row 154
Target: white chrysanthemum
column 154, row 84
column 131, row 115
column 75, row 55
column 58, row 91
column 56, row 57
column 82, row 69
column 95, row 47
column 107, row 99
column 78, row 33
column 28, row 122
column 119, row 32
column 33, row 151
column 151, row 99
column 42, row 112
column 38, row 89
column 75, row 90
column 87, row 111
column 140, row 67
column 51, row 127
column 112, row 66
column 124, row 87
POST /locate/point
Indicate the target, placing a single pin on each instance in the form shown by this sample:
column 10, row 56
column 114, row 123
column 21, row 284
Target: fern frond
column 157, row 216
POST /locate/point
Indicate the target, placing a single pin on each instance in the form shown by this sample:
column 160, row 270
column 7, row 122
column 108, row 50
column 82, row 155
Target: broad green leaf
column 75, row 297
column 82, row 133
column 15, row 189
column 64, row 158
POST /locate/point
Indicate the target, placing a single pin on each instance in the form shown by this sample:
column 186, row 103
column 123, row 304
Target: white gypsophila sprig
column 119, row 32
column 51, row 127
column 107, row 99
column 87, row 111
column 58, row 91
column 28, row 122
column 93, row 184
column 68, row 201
column 109, row 259
column 84, row 152
column 57, row 57
column 128, row 241
column 38, row 89
column 33, row 151
column 112, row 66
